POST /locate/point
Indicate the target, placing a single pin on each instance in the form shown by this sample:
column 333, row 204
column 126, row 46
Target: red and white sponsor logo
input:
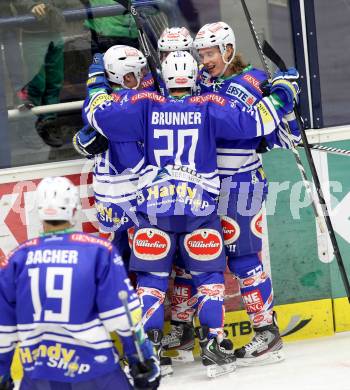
column 4, row 262
column 203, row 244
column 231, row 230
column 253, row 301
column 248, row 282
column 181, row 80
column 85, row 238
column 256, row 225
column 151, row 244
column 149, row 312
column 184, row 316
column 216, row 290
column 148, row 95
column 131, row 233
column 116, row 97
column 258, row 319
column 192, row 301
column 147, row 83
column 216, row 27
column 210, row 97
column 181, row 293
column 157, row 294
column 251, row 100
column 252, row 81
column 131, row 52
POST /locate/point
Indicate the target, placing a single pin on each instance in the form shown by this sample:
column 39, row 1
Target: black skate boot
column 155, row 335
column 218, row 359
column 180, row 341
column 265, row 347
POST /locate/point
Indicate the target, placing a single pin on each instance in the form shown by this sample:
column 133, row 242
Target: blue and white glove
column 145, row 375
column 96, row 76
column 88, row 142
column 285, row 86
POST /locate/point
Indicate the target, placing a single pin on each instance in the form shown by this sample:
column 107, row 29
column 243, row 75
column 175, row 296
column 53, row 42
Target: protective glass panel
column 45, row 59
column 333, row 41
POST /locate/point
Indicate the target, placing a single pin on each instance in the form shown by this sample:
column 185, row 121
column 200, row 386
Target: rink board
column 341, row 308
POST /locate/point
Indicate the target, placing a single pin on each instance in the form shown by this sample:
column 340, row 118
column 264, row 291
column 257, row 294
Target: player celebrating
column 179, row 185
column 116, row 170
column 174, row 39
column 59, row 299
column 243, row 178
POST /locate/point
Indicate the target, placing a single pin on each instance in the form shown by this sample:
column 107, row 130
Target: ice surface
column 319, row 364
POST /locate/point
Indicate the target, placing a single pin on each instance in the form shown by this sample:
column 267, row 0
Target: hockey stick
column 123, row 296
column 321, row 148
column 142, row 39
column 277, row 60
column 274, row 57
column 293, row 148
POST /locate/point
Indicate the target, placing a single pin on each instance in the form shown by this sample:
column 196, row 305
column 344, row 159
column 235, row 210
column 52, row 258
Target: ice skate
column 265, row 348
column 179, row 343
column 218, row 359
column 155, row 335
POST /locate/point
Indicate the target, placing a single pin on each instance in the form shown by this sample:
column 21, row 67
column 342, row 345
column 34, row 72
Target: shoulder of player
column 23, row 247
column 208, row 97
column 146, row 96
column 89, row 239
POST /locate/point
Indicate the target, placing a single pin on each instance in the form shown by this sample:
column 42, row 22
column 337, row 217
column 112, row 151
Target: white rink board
column 322, row 364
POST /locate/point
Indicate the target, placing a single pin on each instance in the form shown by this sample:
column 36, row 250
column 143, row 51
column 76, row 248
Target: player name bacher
column 54, row 256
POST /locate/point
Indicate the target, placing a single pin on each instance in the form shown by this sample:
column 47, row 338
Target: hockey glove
column 96, row 78
column 285, row 89
column 88, row 142
column 6, row 382
column 145, row 375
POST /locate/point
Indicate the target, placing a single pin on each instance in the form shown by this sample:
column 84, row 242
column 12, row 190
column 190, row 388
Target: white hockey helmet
column 216, row 34
column 120, row 60
column 175, row 38
column 180, row 70
column 57, row 199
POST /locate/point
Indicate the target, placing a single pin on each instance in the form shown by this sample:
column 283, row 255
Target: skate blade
column 214, row 370
column 166, row 370
column 268, row 358
column 179, row 355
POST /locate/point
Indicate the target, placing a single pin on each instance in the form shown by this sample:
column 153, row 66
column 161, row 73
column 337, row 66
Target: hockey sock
column 183, row 298
column 211, row 310
column 256, row 288
column 151, row 290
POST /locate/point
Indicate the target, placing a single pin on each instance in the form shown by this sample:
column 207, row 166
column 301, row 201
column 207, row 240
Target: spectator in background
column 109, row 30
column 12, row 50
column 43, row 57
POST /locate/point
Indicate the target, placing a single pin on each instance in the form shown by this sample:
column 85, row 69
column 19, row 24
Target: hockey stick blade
column 271, row 54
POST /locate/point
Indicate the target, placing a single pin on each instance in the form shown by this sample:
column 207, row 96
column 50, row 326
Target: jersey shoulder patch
column 26, row 244
column 209, row 97
column 148, row 96
column 89, row 239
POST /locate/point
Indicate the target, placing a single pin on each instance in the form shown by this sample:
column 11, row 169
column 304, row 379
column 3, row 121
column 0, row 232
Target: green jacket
column 112, row 26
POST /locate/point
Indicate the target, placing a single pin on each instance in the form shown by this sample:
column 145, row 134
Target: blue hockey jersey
column 59, row 300
column 180, row 142
column 240, row 156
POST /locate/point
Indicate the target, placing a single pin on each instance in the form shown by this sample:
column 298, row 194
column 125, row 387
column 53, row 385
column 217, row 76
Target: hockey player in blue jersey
column 116, row 169
column 59, row 300
column 244, row 181
column 179, row 186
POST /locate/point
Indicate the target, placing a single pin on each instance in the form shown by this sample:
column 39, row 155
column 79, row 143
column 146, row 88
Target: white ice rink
column 319, row 364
